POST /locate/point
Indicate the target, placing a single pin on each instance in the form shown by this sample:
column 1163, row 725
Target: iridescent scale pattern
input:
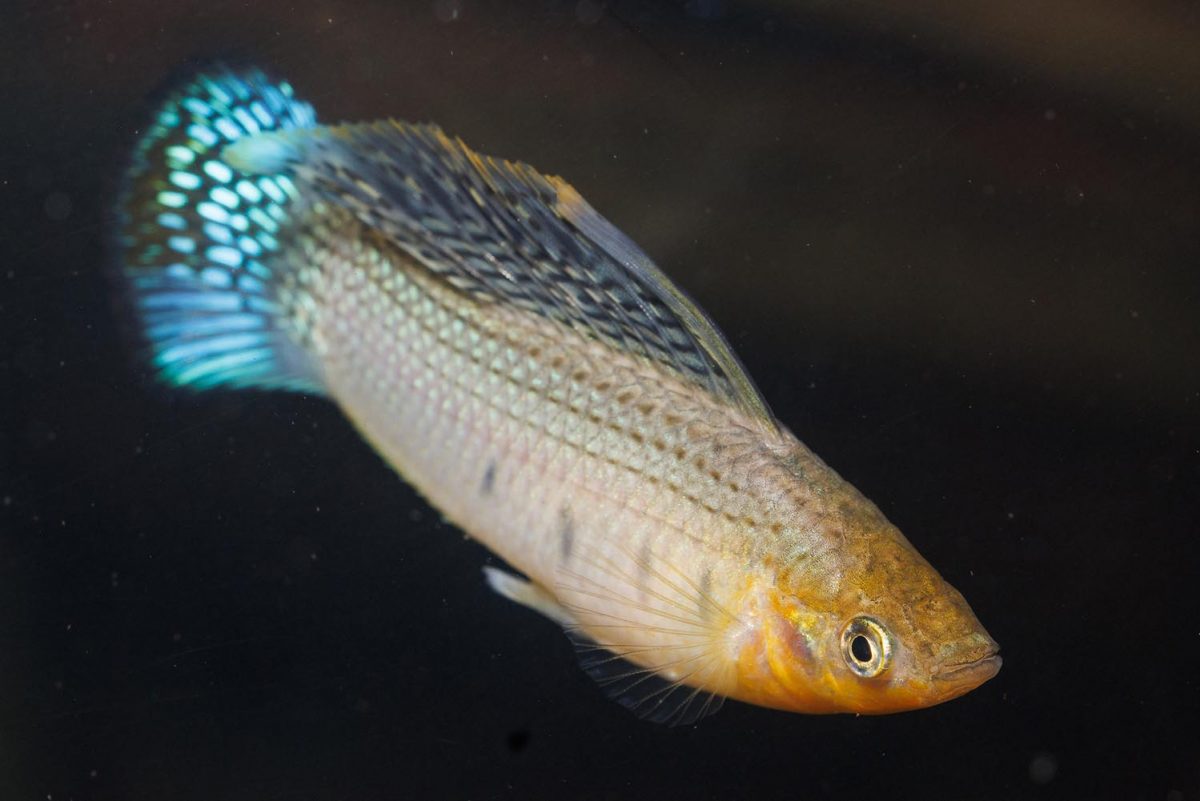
column 200, row 239
column 603, row 476
column 503, row 232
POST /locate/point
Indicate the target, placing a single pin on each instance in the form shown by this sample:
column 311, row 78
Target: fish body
column 534, row 375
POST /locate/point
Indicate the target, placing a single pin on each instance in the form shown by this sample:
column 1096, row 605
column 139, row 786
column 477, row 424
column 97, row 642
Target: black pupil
column 860, row 647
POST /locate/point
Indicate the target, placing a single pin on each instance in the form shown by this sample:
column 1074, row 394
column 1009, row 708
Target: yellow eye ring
column 866, row 647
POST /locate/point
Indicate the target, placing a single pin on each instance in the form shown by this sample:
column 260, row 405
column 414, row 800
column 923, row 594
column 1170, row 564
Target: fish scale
column 466, row 398
column 537, row 378
column 474, row 380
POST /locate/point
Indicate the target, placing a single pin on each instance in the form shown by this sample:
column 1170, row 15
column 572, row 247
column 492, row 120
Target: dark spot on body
column 645, row 557
column 566, row 533
column 702, row 599
column 489, row 479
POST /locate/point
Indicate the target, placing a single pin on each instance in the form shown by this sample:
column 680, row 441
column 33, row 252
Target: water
column 957, row 253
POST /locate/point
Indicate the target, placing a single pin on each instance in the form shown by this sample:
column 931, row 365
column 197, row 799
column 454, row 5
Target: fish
column 542, row 383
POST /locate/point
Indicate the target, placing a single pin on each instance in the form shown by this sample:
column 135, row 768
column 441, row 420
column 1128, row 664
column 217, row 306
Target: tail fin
column 199, row 240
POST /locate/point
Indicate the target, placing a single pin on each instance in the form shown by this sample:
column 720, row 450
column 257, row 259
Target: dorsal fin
column 504, row 232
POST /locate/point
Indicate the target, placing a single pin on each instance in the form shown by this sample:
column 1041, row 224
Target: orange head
column 885, row 633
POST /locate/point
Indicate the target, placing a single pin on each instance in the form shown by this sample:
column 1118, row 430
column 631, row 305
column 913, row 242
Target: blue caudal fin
column 200, row 240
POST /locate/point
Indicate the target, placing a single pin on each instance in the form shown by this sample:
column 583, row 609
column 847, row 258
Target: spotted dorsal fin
column 503, row 232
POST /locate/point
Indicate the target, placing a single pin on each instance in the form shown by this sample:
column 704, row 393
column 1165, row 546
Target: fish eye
column 866, row 647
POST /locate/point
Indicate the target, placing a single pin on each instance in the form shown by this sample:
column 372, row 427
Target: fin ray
column 198, row 237
column 647, row 633
column 501, row 230
column 644, row 691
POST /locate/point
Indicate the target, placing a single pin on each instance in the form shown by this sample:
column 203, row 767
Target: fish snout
column 967, row 663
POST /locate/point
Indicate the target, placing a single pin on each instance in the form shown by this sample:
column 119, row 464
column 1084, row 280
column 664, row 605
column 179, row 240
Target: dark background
column 955, row 242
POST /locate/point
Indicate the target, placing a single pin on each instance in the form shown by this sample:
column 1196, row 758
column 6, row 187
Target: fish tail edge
column 199, row 240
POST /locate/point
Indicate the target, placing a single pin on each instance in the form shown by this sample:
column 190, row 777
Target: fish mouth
column 972, row 672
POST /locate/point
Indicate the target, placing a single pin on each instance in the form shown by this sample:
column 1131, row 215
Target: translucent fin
column 527, row 594
column 506, row 233
column 644, row 692
column 200, row 239
column 607, row 236
column 647, row 632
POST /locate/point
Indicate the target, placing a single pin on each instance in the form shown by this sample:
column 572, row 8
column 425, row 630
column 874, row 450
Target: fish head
column 892, row 635
column 904, row 637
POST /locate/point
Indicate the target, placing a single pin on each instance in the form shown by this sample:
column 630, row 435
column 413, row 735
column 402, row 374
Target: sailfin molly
column 531, row 371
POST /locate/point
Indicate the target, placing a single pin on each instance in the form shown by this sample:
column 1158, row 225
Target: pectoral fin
column 644, row 692
column 641, row 690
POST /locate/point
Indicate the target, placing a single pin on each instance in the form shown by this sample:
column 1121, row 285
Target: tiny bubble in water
column 447, row 10
column 1043, row 768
